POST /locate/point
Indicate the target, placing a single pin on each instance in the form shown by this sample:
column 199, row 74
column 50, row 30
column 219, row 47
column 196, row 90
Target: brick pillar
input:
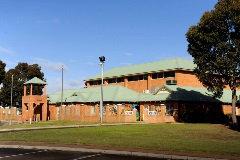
column 134, row 115
column 30, row 111
column 23, row 112
column 1, row 112
column 14, row 112
column 63, row 112
column 141, row 111
column 163, row 111
column 107, row 112
column 6, row 112
column 126, row 82
column 149, row 82
column 24, row 90
column 44, row 112
column 98, row 113
column 72, row 113
column 82, row 113
column 119, row 112
column 45, row 90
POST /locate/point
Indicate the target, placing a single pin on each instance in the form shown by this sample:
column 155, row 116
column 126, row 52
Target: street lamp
column 11, row 102
column 102, row 60
column 60, row 112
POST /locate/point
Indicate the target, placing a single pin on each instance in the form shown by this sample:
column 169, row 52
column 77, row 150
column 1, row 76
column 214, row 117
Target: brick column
column 82, row 113
column 149, row 82
column 163, row 111
column 31, row 89
column 1, row 112
column 6, row 112
column 45, row 90
column 30, row 111
column 44, row 112
column 119, row 112
column 24, row 90
column 126, row 82
column 24, row 112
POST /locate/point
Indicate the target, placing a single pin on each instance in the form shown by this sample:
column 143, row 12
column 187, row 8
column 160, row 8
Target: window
column 113, row 80
column 119, row 80
column 157, row 75
column 154, row 76
column 163, row 75
column 133, row 78
column 169, row 109
column 93, row 110
column 116, row 80
column 93, row 83
column 143, row 77
column 138, row 78
column 169, row 74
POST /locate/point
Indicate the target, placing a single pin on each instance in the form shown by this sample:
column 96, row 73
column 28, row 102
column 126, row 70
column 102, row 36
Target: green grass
column 211, row 138
column 44, row 124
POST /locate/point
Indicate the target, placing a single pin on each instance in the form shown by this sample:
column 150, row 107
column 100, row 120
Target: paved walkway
column 109, row 149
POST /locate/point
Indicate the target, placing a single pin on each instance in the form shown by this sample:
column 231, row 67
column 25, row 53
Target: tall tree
column 2, row 71
column 214, row 43
column 21, row 74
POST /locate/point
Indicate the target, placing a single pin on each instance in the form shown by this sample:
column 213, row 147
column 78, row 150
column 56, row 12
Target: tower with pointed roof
column 34, row 107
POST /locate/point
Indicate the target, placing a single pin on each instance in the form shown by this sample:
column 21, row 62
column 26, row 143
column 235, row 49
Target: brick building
column 157, row 92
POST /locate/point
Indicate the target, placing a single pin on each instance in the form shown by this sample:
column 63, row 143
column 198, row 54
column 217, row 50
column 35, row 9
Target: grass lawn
column 211, row 138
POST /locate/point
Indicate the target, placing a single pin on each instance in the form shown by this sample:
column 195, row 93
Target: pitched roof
column 187, row 93
column 35, row 80
column 121, row 94
column 110, row 93
column 162, row 65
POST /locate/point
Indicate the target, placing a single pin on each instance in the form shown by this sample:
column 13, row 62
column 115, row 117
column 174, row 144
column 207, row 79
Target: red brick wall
column 184, row 78
column 187, row 78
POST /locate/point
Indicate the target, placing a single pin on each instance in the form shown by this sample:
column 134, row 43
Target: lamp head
column 102, row 59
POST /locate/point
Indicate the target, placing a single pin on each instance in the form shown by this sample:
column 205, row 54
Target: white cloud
column 75, row 83
column 56, row 84
column 50, row 65
column 7, row 51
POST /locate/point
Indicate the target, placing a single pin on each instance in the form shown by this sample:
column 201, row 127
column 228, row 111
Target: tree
column 21, row 74
column 214, row 43
column 2, row 71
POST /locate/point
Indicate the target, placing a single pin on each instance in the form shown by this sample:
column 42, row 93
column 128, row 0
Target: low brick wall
column 83, row 113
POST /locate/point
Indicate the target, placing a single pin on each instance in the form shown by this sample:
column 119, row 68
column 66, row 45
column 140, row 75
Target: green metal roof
column 110, row 93
column 121, row 94
column 187, row 93
column 162, row 65
column 35, row 80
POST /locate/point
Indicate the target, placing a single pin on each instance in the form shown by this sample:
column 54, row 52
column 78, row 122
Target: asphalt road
column 33, row 154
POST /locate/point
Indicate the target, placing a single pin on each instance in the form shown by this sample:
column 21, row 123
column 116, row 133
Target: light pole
column 102, row 60
column 11, row 101
column 60, row 110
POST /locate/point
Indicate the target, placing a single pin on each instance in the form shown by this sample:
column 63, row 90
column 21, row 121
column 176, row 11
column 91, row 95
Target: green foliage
column 214, row 43
column 2, row 71
column 21, row 73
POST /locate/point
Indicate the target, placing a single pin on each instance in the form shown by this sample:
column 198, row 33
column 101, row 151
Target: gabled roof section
column 36, row 80
column 110, row 93
column 162, row 65
column 121, row 94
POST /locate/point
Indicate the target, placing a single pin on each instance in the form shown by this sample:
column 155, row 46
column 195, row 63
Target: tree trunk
column 234, row 117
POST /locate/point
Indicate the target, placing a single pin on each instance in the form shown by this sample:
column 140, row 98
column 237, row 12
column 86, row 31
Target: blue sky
column 74, row 33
